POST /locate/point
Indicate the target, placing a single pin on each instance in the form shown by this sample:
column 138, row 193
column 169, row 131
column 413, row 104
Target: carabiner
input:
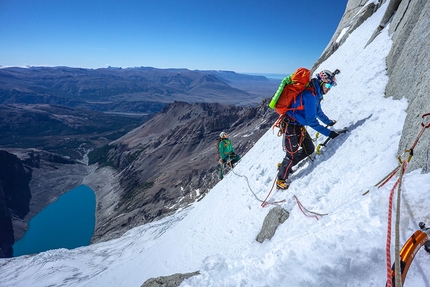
column 422, row 124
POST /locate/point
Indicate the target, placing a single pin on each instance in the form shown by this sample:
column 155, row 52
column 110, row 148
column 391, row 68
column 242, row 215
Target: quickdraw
column 280, row 124
column 410, row 151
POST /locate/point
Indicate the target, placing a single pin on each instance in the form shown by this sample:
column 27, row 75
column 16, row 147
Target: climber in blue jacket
column 295, row 121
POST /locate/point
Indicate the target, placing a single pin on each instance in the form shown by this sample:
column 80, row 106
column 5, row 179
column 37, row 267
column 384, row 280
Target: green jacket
column 225, row 148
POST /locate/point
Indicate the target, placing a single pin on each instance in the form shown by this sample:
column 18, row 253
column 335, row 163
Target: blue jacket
column 312, row 110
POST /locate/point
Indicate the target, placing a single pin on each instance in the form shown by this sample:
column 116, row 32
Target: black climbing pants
column 298, row 145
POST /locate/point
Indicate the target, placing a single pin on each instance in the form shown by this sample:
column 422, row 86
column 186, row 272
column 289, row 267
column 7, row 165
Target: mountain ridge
column 160, row 165
column 108, row 89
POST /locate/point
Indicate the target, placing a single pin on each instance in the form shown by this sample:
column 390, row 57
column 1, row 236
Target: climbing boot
column 283, row 184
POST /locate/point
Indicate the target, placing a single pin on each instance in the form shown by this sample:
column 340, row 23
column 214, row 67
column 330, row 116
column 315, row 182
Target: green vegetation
column 100, row 156
column 132, row 192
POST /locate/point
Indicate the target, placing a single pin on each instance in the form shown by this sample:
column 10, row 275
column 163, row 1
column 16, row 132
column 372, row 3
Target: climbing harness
column 280, row 124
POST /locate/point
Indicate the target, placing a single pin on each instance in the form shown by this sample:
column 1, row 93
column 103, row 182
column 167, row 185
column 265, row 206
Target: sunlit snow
column 217, row 235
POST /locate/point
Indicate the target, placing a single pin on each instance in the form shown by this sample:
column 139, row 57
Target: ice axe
column 318, row 150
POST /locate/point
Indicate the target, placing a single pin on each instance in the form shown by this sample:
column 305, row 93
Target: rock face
column 408, row 63
column 168, row 281
column 14, row 198
column 274, row 218
column 29, row 181
column 409, row 72
column 170, row 162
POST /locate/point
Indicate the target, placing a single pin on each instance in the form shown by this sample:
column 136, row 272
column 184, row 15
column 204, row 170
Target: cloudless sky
column 266, row 36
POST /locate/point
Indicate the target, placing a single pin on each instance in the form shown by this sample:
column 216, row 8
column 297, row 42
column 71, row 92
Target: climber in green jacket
column 226, row 154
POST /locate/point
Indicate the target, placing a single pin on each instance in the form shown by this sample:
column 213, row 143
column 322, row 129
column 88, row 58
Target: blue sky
column 267, row 36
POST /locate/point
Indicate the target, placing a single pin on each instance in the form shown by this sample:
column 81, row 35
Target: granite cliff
column 408, row 62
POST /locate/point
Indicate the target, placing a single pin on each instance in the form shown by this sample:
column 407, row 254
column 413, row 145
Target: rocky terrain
column 408, row 67
column 52, row 117
column 168, row 162
column 60, row 129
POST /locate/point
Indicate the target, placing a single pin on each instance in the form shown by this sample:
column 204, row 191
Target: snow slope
column 217, row 235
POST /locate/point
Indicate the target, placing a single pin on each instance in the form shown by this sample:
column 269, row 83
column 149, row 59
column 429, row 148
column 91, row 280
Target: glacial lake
column 66, row 223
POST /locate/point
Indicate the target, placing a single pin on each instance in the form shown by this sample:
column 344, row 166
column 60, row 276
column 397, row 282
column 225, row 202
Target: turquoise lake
column 66, row 223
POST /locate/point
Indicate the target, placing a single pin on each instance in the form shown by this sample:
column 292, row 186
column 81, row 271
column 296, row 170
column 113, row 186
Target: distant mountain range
column 143, row 89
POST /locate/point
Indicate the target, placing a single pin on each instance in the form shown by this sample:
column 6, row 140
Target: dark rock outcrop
column 409, row 70
column 14, row 198
column 31, row 179
column 273, row 219
column 168, row 281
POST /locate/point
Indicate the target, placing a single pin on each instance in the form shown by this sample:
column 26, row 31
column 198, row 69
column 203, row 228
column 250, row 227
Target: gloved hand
column 332, row 123
column 333, row 134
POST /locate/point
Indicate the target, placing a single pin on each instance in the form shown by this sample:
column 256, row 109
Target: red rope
column 264, row 203
column 388, row 243
column 303, row 209
column 300, row 206
column 389, row 177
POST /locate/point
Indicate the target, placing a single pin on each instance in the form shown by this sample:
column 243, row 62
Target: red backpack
column 288, row 90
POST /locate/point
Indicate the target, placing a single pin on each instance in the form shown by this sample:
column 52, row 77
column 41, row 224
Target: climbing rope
column 402, row 168
column 398, row 270
column 410, row 151
column 263, row 202
column 308, row 212
column 388, row 243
